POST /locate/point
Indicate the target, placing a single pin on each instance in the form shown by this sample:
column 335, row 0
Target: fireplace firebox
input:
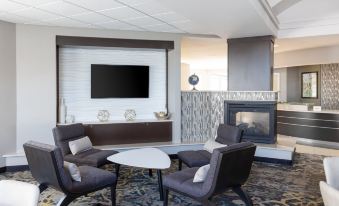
column 257, row 119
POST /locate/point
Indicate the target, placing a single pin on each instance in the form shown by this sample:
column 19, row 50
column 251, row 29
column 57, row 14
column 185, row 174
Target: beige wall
column 321, row 55
column 7, row 89
column 36, row 77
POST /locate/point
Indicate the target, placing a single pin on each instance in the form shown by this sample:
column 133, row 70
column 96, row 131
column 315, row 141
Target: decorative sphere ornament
column 103, row 115
column 130, row 114
column 193, row 80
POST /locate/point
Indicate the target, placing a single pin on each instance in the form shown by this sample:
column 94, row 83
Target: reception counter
column 311, row 125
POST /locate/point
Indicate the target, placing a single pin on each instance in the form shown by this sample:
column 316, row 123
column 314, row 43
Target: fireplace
column 256, row 118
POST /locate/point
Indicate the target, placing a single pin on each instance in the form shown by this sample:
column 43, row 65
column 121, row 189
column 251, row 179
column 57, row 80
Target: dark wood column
column 250, row 63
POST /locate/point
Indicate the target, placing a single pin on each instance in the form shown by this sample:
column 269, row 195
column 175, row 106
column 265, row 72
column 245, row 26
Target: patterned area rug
column 268, row 185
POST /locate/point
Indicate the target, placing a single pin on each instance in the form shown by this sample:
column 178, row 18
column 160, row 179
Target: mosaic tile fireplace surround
column 203, row 111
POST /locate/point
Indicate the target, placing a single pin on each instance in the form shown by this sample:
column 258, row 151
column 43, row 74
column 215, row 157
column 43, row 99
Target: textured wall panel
column 202, row 112
column 75, row 84
column 330, row 86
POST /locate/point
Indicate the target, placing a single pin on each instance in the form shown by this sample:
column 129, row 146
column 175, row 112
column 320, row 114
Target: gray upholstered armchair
column 229, row 169
column 47, row 167
column 226, row 134
column 93, row 157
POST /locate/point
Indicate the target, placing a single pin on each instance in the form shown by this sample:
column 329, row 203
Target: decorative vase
column 62, row 111
column 103, row 115
column 130, row 114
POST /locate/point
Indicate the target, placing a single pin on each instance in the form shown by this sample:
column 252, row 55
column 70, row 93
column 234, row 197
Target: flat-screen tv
column 119, row 81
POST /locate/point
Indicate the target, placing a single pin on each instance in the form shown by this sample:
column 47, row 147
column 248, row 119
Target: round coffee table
column 149, row 158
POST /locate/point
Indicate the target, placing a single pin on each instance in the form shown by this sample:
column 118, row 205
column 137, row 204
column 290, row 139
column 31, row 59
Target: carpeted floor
column 269, row 185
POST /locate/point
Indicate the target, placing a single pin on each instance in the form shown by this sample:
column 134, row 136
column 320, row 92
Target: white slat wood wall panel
column 75, row 81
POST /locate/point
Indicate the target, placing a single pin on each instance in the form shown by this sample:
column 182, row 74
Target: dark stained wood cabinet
column 129, row 132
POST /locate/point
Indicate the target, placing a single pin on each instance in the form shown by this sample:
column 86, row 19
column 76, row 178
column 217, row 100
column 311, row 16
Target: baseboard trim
column 273, row 160
column 17, row 168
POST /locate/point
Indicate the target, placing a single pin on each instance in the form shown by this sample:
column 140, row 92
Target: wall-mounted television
column 119, row 81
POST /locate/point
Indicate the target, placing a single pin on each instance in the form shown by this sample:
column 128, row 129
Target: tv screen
column 119, row 81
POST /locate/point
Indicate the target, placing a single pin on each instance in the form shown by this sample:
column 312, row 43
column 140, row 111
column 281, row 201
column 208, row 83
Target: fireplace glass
column 253, row 123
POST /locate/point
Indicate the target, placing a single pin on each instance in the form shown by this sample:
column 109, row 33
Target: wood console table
column 128, row 132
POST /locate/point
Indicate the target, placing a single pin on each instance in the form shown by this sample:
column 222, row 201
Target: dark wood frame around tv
column 62, row 41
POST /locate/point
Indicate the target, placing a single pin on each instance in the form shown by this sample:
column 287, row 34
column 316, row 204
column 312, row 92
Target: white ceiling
column 290, row 44
column 137, row 15
column 300, row 18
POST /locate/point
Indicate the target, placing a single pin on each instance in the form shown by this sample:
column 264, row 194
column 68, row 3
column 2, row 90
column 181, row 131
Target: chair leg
column 117, row 169
column 42, row 187
column 165, row 197
column 243, row 195
column 180, row 165
column 150, row 173
column 67, row 200
column 113, row 196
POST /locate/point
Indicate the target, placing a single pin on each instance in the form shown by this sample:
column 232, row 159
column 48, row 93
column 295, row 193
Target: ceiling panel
column 14, row 18
column 95, row 5
column 122, row 13
column 119, row 25
column 170, row 17
column 9, row 6
column 134, row 2
column 34, row 2
column 36, row 14
column 91, row 17
column 143, row 21
column 63, row 8
column 162, row 28
column 68, row 23
column 151, row 8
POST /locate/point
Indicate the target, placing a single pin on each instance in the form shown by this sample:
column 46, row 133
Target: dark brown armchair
column 47, row 167
column 229, row 169
column 226, row 134
column 93, row 157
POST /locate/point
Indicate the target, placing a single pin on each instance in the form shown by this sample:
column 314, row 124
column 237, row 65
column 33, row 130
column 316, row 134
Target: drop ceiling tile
column 9, row 6
column 67, row 22
column 36, row 14
column 159, row 27
column 143, row 21
column 63, row 8
column 134, row 2
column 170, row 17
column 34, row 2
column 114, row 25
column 91, row 17
column 151, row 8
column 122, row 13
column 96, row 5
column 14, row 18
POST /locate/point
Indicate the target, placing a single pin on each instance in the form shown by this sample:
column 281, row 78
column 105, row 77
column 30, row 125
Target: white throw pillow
column 80, row 145
column 201, row 174
column 211, row 144
column 73, row 171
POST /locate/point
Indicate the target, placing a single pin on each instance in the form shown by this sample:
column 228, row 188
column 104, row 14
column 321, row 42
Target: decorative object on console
column 130, row 114
column 162, row 115
column 193, row 80
column 103, row 115
column 62, row 111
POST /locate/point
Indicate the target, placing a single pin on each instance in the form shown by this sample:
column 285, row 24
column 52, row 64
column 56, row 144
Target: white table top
column 150, row 158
